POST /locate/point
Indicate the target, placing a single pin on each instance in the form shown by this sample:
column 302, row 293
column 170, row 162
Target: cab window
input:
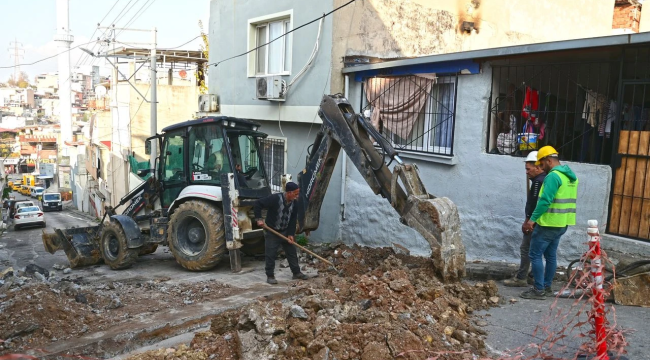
column 208, row 155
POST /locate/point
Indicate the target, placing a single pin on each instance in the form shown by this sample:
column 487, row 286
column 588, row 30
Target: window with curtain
column 274, row 58
column 416, row 113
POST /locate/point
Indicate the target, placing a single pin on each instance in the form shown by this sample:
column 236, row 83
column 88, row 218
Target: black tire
column 147, row 249
column 196, row 235
column 113, row 246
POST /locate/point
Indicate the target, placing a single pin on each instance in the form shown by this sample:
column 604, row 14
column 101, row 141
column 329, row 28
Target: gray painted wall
column 229, row 37
column 489, row 190
column 297, row 143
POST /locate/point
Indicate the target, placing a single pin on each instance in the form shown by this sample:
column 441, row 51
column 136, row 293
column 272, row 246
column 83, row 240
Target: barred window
column 570, row 106
column 415, row 113
column 273, row 153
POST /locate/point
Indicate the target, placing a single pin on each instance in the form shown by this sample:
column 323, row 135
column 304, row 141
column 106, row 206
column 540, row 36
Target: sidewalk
column 69, row 206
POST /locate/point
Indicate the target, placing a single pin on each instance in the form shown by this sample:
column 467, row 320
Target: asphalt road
column 21, row 247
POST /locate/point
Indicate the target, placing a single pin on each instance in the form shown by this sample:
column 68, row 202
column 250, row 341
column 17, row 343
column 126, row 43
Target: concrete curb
column 131, row 336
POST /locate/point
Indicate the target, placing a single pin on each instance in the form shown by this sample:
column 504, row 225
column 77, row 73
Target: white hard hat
column 532, row 156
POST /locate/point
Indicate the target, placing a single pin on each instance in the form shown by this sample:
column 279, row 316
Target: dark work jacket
column 533, row 194
column 280, row 216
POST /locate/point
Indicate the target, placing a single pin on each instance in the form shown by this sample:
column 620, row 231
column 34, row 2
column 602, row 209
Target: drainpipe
column 344, row 161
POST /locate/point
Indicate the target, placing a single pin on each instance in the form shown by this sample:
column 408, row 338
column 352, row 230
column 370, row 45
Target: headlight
column 254, row 128
column 225, row 123
column 232, row 124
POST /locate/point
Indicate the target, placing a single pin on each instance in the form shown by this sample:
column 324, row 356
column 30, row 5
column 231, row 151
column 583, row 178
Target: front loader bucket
column 81, row 245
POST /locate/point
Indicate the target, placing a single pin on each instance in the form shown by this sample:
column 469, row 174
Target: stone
column 376, row 351
column 67, row 270
column 115, row 303
column 449, row 330
column 346, row 254
column 513, row 300
column 188, row 302
column 227, row 337
column 58, row 267
column 365, row 304
column 31, row 269
column 40, row 277
column 81, row 298
column 298, row 312
column 8, row 272
column 399, row 285
column 494, row 299
column 404, row 316
column 481, row 323
column 47, row 333
column 284, row 264
column 302, row 333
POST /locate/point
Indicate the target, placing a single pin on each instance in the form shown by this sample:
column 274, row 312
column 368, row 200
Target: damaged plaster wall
column 389, row 29
column 489, row 191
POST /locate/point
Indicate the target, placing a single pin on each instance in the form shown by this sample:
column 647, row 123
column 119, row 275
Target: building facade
column 470, row 66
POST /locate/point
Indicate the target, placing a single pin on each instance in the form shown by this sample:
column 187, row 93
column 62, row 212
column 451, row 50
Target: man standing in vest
column 555, row 210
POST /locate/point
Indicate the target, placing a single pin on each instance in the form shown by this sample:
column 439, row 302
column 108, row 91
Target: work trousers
column 524, row 263
column 272, row 243
column 544, row 243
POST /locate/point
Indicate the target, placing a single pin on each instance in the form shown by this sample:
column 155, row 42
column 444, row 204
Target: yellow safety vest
column 562, row 211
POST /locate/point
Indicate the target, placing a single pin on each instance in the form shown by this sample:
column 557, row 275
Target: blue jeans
column 544, row 242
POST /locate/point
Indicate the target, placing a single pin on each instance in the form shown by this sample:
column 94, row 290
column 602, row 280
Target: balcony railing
column 37, row 138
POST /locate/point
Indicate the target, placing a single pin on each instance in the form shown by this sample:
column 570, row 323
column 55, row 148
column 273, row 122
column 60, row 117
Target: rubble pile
column 38, row 307
column 381, row 305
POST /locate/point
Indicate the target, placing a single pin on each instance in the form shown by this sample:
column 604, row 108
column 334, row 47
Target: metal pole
column 597, row 290
column 154, row 103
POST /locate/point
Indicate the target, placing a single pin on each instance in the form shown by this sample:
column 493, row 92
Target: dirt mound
column 386, row 306
column 34, row 313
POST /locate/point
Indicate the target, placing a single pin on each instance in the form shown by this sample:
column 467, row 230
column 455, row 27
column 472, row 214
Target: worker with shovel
column 281, row 216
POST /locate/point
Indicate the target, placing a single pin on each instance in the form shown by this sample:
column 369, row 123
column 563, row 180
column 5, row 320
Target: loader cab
column 199, row 152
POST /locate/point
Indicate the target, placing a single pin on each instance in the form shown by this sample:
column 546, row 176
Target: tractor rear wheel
column 196, row 235
column 114, row 247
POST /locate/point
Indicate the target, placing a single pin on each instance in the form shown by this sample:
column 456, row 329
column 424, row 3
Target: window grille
column 415, row 113
column 273, row 154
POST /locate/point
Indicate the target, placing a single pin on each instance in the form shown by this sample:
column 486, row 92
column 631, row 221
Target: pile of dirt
column 384, row 306
column 36, row 311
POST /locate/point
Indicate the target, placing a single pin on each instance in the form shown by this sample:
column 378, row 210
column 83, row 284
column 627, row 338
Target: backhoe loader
column 200, row 207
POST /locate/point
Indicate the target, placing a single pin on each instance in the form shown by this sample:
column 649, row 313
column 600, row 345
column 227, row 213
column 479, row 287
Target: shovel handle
column 295, row 244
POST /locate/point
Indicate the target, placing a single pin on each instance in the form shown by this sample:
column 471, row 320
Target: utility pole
column 154, row 102
column 63, row 40
column 17, row 52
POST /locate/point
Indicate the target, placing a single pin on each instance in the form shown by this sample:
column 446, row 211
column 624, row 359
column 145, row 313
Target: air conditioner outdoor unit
column 270, row 88
column 208, row 103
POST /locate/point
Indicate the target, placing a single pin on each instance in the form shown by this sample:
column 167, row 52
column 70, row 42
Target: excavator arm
column 436, row 219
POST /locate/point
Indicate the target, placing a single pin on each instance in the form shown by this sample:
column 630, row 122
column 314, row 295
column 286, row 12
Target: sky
column 33, row 24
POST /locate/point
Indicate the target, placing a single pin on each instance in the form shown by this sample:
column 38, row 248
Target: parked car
column 24, row 189
column 52, row 201
column 29, row 216
column 16, row 186
column 25, row 203
column 36, row 192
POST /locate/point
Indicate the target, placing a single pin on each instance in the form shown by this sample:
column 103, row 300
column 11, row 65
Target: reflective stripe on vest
column 562, row 211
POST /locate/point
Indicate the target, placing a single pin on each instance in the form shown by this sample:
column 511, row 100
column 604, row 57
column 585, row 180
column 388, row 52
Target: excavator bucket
column 435, row 218
column 81, row 245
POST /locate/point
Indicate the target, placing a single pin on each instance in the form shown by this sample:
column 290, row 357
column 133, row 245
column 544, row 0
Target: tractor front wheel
column 196, row 235
column 114, row 247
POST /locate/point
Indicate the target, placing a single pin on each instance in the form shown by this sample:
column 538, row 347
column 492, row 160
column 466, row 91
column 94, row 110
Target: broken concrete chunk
column 31, row 269
column 298, row 312
column 115, row 303
column 81, row 298
column 67, row 270
column 58, row 267
column 8, row 272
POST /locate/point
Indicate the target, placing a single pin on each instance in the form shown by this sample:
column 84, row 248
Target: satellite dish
column 100, row 91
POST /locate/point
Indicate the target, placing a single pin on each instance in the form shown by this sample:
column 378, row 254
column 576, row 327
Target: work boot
column 548, row 291
column 515, row 282
column 300, row 276
column 271, row 280
column 533, row 294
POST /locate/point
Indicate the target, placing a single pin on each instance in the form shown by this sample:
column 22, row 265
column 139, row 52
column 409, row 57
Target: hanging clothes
column 605, row 127
column 531, row 105
column 594, row 103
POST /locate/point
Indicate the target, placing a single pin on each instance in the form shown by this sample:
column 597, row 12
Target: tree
column 22, row 81
column 203, row 70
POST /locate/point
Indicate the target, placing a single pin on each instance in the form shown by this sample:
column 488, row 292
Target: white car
column 36, row 191
column 22, row 204
column 28, row 216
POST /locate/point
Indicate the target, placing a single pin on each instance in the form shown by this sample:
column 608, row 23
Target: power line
column 285, row 34
column 43, row 59
column 94, row 32
column 108, row 28
column 176, row 47
column 138, row 14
